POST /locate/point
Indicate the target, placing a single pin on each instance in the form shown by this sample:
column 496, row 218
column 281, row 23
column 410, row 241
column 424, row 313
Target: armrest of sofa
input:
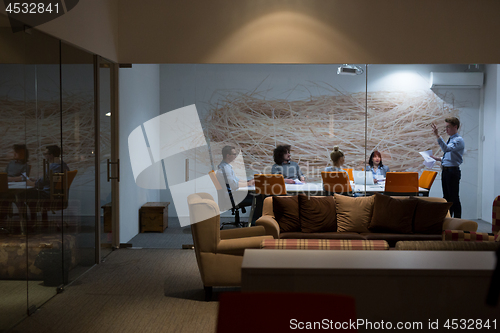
column 451, row 223
column 237, row 246
column 469, row 236
column 269, row 223
column 243, row 232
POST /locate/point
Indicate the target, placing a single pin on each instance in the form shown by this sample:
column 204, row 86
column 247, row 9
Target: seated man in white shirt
column 226, row 176
column 229, row 155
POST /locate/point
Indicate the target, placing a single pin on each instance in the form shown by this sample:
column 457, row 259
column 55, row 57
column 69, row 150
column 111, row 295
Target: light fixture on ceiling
column 347, row 69
column 108, row 114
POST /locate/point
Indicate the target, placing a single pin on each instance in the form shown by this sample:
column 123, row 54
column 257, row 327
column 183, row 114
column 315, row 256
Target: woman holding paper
column 376, row 167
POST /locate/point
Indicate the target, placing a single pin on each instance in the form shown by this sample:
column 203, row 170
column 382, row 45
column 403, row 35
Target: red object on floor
column 285, row 312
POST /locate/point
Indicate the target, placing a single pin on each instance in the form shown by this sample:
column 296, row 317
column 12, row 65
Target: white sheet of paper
column 428, row 160
column 298, row 182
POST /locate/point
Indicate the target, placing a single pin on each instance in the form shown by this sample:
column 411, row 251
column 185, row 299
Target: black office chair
column 223, row 194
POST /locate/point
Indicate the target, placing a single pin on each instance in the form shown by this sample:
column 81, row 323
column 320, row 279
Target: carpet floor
column 134, row 290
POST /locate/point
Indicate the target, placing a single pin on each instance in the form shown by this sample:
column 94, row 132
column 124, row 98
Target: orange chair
column 59, row 192
column 336, row 182
column 401, row 183
column 270, row 184
column 214, row 179
column 266, row 185
column 426, row 179
column 350, row 173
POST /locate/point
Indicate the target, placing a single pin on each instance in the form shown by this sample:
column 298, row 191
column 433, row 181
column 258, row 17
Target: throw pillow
column 353, row 214
column 286, row 213
column 429, row 216
column 392, row 215
column 317, row 214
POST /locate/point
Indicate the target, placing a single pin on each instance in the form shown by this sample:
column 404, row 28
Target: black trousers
column 450, row 180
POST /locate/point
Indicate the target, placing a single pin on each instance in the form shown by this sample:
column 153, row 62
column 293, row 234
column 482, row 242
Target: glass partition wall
column 313, row 108
column 47, row 169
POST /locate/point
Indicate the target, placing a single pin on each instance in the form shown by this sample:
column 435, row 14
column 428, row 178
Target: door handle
column 117, row 163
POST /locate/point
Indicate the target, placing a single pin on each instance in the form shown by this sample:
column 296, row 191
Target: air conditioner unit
column 462, row 80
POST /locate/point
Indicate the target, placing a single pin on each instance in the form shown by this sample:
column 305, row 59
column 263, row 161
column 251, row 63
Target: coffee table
column 387, row 285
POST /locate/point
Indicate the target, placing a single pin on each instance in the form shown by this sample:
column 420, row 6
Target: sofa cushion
column 469, row 236
column 429, row 216
column 317, row 214
column 392, row 215
column 321, row 235
column 286, row 212
column 446, row 246
column 323, row 244
column 353, row 214
column 392, row 239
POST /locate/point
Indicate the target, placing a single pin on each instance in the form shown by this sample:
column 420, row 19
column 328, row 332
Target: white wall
column 491, row 141
column 139, row 102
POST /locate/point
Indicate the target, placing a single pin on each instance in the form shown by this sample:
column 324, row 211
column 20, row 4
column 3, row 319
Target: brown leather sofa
column 270, row 223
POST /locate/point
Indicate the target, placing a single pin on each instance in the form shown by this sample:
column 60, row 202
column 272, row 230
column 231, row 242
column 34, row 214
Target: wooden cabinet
column 153, row 216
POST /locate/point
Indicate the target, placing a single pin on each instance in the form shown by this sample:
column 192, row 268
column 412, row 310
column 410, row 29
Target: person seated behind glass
column 338, row 159
column 226, row 175
column 41, row 187
column 18, row 165
column 376, row 167
column 284, row 166
column 229, row 155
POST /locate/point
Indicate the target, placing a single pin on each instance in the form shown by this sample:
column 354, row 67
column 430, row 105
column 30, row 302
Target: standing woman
column 376, row 166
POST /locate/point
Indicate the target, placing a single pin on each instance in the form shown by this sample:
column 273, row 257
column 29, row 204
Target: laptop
column 359, row 178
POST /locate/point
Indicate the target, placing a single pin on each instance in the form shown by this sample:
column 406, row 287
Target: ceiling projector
column 349, row 70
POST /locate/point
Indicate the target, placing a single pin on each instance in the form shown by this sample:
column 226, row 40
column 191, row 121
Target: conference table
column 312, row 189
column 17, row 189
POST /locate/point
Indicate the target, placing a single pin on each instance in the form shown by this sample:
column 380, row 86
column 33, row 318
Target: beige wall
column 284, row 31
column 309, row 31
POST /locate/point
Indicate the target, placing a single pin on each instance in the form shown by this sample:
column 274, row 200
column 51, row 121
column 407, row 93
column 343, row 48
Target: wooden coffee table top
column 393, row 262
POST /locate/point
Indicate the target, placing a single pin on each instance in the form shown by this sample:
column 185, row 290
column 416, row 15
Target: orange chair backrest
column 336, row 182
column 269, row 184
column 4, row 184
column 426, row 179
column 70, row 175
column 350, row 173
column 406, row 182
column 214, row 179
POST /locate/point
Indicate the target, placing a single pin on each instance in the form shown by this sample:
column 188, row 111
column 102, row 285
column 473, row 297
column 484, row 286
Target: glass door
column 13, row 254
column 104, row 114
column 106, row 117
column 39, row 214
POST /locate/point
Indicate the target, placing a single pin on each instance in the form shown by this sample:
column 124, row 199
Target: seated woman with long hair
column 376, row 166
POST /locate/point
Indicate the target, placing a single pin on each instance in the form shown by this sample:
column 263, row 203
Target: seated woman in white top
column 338, row 158
column 375, row 165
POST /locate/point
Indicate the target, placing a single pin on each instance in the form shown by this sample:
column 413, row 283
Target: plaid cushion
column 324, row 244
column 469, row 236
